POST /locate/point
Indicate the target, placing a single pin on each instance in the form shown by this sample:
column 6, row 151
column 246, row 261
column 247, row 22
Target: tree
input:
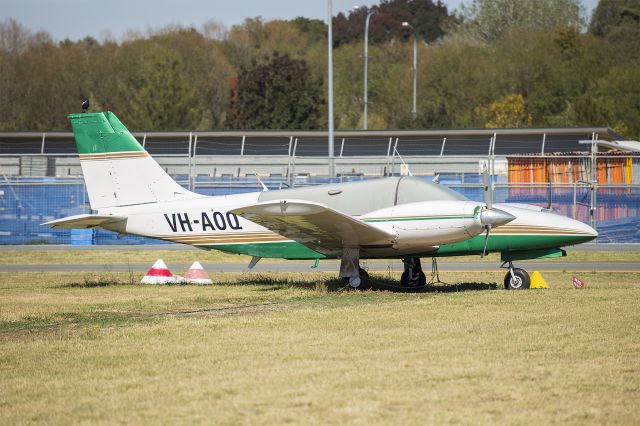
column 508, row 112
column 430, row 19
column 489, row 20
column 619, row 22
column 612, row 16
column 277, row 93
column 158, row 93
column 612, row 100
column 316, row 29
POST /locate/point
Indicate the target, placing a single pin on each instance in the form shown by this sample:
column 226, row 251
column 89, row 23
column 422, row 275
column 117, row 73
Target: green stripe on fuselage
column 403, row 219
column 280, row 249
column 500, row 243
column 475, row 245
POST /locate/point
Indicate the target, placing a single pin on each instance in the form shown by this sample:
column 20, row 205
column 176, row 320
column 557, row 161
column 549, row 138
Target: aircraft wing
column 315, row 225
column 83, row 221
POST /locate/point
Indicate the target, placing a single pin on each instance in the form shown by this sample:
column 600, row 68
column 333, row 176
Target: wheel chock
column 537, row 281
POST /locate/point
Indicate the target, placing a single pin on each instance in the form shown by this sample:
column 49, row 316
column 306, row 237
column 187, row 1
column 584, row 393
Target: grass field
column 94, row 348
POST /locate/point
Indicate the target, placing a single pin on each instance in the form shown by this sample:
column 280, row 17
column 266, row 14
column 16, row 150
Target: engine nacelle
column 429, row 222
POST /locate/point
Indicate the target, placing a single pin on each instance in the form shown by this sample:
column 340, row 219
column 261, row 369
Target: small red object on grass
column 577, row 283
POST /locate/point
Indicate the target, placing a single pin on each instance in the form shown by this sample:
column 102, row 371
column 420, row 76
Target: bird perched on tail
column 85, row 105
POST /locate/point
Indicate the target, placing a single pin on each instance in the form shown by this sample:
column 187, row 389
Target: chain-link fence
column 27, row 203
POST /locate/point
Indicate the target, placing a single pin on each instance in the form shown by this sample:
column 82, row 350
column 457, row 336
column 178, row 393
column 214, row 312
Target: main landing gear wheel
column 517, row 279
column 413, row 276
column 361, row 282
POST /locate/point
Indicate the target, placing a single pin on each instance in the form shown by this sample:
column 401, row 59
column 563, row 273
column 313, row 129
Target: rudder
column 117, row 170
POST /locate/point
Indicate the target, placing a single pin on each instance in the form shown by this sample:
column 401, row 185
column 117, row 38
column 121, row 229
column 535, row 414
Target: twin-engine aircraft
column 395, row 217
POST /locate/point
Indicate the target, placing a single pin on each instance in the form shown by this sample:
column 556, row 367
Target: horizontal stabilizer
column 84, row 221
column 315, row 225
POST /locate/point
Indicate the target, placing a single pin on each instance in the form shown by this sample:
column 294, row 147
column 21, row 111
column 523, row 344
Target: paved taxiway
column 444, row 265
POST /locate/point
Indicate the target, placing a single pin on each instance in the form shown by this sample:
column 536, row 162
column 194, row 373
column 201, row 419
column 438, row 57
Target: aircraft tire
column 420, row 281
column 522, row 280
column 364, row 284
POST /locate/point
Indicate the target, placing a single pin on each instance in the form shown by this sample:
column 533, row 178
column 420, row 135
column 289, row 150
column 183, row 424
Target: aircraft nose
column 495, row 217
column 584, row 229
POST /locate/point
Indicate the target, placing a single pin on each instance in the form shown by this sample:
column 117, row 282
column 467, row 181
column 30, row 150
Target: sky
column 76, row 19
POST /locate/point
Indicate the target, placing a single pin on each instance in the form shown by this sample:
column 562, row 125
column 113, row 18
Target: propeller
column 486, row 240
column 488, row 200
column 550, row 191
column 488, row 193
column 491, row 217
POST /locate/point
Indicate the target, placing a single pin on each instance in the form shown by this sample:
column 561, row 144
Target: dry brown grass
column 289, row 348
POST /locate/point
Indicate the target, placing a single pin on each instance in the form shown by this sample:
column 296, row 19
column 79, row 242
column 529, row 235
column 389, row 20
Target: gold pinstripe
column 113, row 156
column 225, row 238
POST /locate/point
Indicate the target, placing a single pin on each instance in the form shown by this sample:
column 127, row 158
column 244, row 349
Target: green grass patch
column 276, row 348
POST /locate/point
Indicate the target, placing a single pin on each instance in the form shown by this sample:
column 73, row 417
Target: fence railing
column 25, row 203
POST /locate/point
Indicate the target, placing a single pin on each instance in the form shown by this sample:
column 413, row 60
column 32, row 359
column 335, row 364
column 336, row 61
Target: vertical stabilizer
column 117, row 170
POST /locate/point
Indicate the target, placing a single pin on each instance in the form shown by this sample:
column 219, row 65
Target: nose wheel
column 516, row 278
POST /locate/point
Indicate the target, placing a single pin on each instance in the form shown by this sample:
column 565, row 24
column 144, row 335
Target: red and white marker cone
column 577, row 282
column 158, row 274
column 197, row 275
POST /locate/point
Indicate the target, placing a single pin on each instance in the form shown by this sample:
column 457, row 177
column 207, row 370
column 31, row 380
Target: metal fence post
column 574, row 210
column 293, row 163
column 393, row 158
column 195, row 164
column 289, row 161
column 492, row 164
column 189, row 161
column 594, row 176
column 388, row 169
column 292, row 157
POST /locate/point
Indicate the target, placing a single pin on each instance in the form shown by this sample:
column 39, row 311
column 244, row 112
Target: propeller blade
column 486, row 239
column 550, row 191
column 488, row 198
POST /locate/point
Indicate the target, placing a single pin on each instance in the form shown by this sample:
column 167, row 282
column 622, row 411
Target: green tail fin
column 102, row 132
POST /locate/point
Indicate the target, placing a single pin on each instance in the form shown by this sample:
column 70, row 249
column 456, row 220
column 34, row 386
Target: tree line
column 493, row 63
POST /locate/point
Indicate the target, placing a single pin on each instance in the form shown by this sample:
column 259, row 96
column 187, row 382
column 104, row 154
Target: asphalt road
column 302, row 266
column 581, row 247
column 329, row 266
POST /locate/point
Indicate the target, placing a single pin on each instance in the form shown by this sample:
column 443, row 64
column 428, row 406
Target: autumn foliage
column 502, row 63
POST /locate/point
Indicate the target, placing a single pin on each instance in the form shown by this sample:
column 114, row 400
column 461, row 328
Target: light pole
column 366, row 65
column 332, row 161
column 414, row 70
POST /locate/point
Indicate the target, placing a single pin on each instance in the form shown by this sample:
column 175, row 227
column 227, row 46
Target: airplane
column 395, row 217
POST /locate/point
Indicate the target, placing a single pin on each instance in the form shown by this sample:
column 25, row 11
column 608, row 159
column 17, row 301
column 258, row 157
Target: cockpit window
column 414, row 189
column 446, row 191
